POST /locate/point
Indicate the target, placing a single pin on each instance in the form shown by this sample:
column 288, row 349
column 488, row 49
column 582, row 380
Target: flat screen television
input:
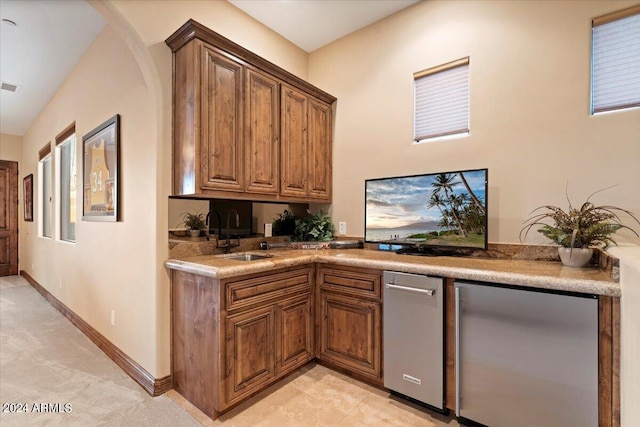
column 446, row 210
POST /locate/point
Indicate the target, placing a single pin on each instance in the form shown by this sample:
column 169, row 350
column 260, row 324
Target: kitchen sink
column 247, row 257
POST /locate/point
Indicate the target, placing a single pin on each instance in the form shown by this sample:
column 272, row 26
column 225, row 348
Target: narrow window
column 615, row 61
column 441, row 101
column 66, row 189
column 44, row 184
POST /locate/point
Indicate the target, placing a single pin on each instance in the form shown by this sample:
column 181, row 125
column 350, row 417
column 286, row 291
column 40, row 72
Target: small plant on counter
column 314, row 228
column 587, row 227
column 194, row 222
column 578, row 229
column 284, row 224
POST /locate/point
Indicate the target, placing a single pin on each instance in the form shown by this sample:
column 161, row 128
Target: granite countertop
column 536, row 274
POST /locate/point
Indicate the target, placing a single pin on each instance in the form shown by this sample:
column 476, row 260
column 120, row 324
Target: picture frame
column 100, row 167
column 27, row 191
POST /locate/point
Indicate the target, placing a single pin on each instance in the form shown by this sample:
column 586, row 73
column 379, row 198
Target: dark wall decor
column 100, row 163
column 27, row 191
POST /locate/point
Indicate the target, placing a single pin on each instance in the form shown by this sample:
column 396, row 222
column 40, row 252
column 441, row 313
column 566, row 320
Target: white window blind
column 441, row 100
column 615, row 69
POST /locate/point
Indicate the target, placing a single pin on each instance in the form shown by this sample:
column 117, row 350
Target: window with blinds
column 615, row 61
column 441, row 101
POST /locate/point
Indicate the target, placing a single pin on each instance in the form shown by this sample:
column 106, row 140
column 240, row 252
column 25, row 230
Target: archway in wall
column 162, row 126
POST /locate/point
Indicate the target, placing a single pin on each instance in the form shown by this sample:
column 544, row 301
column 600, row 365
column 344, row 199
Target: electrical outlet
column 113, row 318
column 342, row 228
column 60, row 283
column 268, row 230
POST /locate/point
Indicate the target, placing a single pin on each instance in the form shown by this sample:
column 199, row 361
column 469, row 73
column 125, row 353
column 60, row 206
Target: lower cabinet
column 294, row 333
column 349, row 317
column 266, row 342
column 231, row 338
column 268, row 330
column 250, row 358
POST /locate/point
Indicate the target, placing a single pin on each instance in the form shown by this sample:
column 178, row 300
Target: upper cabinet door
column 320, row 130
column 244, row 128
column 294, row 143
column 262, row 133
column 222, row 125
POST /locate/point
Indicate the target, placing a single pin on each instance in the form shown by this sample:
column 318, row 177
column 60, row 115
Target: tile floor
column 45, row 358
column 318, row 396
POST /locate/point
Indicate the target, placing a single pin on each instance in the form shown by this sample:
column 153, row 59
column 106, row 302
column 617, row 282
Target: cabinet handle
column 429, row 292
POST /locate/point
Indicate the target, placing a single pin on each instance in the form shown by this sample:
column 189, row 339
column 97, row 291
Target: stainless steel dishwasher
column 414, row 337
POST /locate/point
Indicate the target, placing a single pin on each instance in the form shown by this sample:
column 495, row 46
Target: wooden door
column 250, row 355
column 8, row 218
column 320, row 160
column 350, row 333
column 294, row 333
column 294, row 143
column 222, row 125
column 262, row 133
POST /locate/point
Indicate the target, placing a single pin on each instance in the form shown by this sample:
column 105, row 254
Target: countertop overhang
column 534, row 274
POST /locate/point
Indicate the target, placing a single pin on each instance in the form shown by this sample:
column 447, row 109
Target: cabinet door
column 262, row 133
column 350, row 333
column 294, row 143
column 250, row 355
column 294, row 333
column 221, row 163
column 320, row 160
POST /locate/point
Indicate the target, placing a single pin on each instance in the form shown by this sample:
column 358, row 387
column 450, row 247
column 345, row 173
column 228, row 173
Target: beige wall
column 530, row 122
column 10, row 147
column 112, row 265
column 119, row 266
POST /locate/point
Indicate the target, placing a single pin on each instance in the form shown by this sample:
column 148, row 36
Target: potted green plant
column 194, row 222
column 578, row 230
column 284, row 224
column 315, row 227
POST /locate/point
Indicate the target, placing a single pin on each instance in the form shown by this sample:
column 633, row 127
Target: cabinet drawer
column 263, row 288
column 351, row 280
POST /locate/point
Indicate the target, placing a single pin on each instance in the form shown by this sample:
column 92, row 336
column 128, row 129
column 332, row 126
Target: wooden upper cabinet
column 320, row 129
column 244, row 128
column 306, row 146
column 262, row 133
column 222, row 125
column 294, row 147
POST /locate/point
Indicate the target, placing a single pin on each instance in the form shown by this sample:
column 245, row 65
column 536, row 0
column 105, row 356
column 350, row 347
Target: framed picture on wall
column 100, row 163
column 27, row 191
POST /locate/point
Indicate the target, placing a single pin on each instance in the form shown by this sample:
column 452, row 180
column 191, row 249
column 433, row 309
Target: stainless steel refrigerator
column 526, row 358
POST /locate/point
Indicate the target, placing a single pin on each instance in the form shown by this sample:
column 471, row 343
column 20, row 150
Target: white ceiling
column 311, row 24
column 39, row 54
column 52, row 35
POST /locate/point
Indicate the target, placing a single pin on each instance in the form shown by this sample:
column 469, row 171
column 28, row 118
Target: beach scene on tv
column 445, row 209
